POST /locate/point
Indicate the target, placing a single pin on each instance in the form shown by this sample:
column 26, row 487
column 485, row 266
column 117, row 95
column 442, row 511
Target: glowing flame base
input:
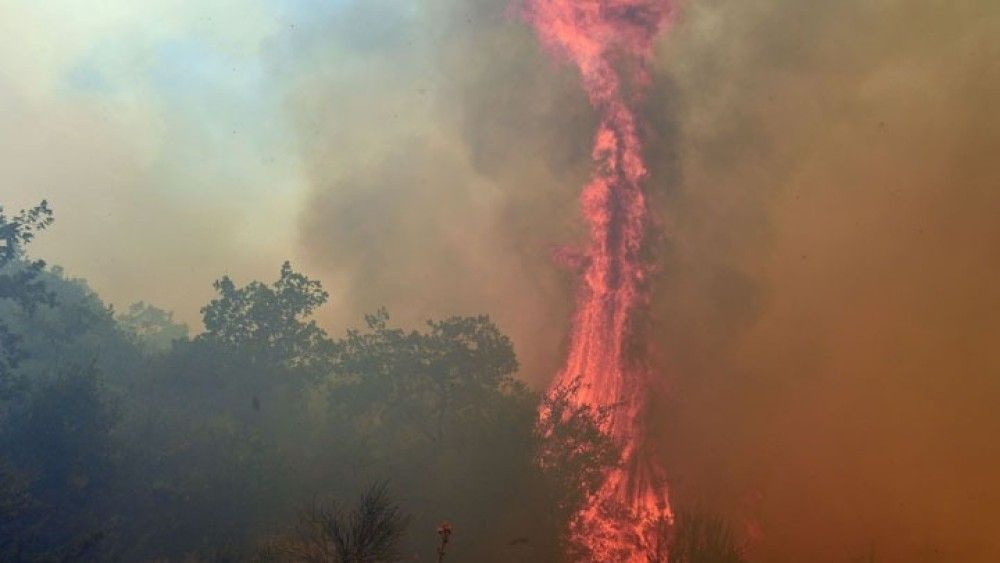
column 611, row 44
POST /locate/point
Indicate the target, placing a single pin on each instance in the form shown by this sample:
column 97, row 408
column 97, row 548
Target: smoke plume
column 825, row 319
column 827, row 304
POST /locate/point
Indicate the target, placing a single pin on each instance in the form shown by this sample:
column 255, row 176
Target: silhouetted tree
column 434, row 382
column 218, row 425
column 573, row 452
column 370, row 532
column 268, row 322
column 127, row 440
column 19, row 281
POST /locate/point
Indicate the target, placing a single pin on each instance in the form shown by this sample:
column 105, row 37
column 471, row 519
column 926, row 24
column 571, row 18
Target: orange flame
column 611, row 44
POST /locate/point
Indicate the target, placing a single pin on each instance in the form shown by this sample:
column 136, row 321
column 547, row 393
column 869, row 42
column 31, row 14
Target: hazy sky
column 158, row 130
column 180, row 141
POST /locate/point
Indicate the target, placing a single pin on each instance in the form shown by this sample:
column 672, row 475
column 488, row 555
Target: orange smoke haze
column 826, row 306
column 828, row 309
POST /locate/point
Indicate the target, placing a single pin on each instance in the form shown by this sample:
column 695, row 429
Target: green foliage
column 120, row 438
column 205, row 469
column 63, row 432
column 19, row 282
column 439, row 412
column 77, row 329
column 267, row 321
column 432, row 382
column 19, row 230
column 60, row 441
column 55, row 417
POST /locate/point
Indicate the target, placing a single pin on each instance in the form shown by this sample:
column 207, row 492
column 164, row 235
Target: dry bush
column 370, row 532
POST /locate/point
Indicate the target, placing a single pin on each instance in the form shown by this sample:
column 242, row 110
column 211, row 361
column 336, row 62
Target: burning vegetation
column 611, row 44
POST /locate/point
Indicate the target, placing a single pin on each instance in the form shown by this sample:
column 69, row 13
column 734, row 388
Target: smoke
column 158, row 139
column 825, row 311
column 445, row 166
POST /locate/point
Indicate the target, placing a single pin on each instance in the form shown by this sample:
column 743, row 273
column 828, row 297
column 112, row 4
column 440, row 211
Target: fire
column 611, row 44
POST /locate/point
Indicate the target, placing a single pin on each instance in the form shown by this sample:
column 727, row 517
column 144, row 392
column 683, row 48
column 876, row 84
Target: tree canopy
column 19, row 283
column 128, row 439
column 267, row 321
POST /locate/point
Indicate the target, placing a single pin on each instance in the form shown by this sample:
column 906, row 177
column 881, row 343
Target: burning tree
column 610, row 42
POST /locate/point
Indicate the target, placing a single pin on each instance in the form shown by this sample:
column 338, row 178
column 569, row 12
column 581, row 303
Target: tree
column 371, row 532
column 154, row 328
column 572, row 450
column 433, row 382
column 19, row 278
column 217, row 427
column 56, row 442
column 440, row 411
column 59, row 442
column 267, row 322
column 182, row 447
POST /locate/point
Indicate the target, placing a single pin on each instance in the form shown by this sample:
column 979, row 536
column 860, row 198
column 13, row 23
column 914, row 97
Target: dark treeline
column 123, row 438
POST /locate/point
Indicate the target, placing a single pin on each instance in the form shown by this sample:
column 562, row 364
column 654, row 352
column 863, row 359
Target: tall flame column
column 611, row 44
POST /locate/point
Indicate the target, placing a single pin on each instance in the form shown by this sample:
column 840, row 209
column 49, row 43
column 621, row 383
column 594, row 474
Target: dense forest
column 126, row 438
column 264, row 438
